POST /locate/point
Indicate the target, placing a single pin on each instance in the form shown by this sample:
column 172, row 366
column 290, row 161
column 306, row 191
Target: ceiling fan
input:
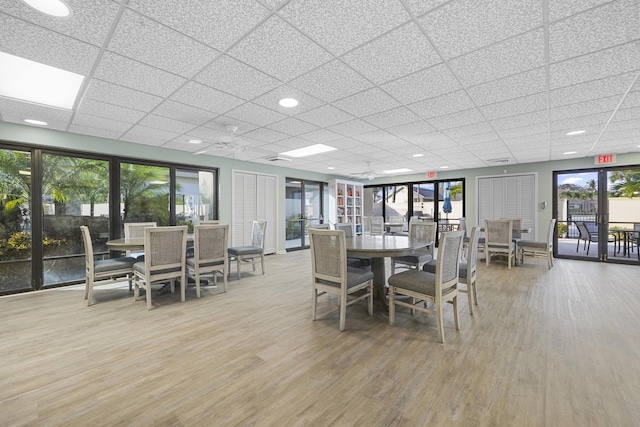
column 368, row 173
column 227, row 141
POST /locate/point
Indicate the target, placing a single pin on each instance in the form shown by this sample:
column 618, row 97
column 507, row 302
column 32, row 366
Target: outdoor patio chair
column 589, row 233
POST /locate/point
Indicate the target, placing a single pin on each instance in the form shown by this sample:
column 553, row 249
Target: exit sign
column 605, row 159
column 431, row 175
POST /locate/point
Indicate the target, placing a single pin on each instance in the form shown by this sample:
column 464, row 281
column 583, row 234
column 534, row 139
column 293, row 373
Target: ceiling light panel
column 309, row 150
column 341, row 25
column 279, row 50
column 400, row 52
column 136, row 75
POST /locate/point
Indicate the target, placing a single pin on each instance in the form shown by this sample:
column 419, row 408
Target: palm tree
column 625, row 183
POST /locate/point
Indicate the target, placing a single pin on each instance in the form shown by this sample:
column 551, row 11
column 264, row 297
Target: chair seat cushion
column 416, row 257
column 496, row 246
column 113, row 264
column 430, row 267
column 244, row 250
column 139, row 267
column 355, row 276
column 191, row 262
column 531, row 244
column 416, row 281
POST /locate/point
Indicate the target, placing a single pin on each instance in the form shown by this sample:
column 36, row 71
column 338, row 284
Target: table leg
column 379, row 279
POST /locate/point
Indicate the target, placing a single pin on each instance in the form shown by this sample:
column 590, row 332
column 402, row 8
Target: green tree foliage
column 625, row 183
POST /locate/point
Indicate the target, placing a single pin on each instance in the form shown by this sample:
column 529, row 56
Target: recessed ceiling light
column 32, row 81
column 576, row 132
column 330, row 168
column 444, row 167
column 288, row 102
column 418, row 155
column 57, row 8
column 570, row 152
column 35, row 122
column 397, row 171
column 308, row 151
column 194, row 141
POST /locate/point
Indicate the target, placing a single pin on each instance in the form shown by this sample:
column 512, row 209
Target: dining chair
column 468, row 269
column 209, row 254
column 499, row 240
column 209, row 222
column 516, row 232
column 366, row 225
column 539, row 248
column 422, row 287
column 353, row 261
column 424, row 232
column 377, row 225
column 250, row 252
column 135, row 230
column 325, row 226
column 164, row 261
column 104, row 271
column 331, row 275
column 396, row 223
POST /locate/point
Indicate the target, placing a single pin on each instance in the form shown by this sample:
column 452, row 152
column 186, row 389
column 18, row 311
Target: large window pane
column 15, row 223
column 75, row 192
column 423, row 195
column 144, row 193
column 195, row 197
column 450, row 199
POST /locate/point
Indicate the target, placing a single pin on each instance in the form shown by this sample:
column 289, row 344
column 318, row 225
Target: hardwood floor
column 556, row 347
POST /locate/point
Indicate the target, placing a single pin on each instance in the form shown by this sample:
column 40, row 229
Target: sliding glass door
column 305, row 207
column 598, row 213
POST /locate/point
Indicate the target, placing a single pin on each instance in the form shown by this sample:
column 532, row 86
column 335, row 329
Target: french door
column 598, row 214
column 305, row 207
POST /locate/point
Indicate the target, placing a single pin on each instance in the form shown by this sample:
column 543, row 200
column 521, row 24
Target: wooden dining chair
column 135, row 230
column 422, row 287
column 353, row 261
column 421, row 232
column 210, row 242
column 540, row 248
column 330, row 274
column 377, row 225
column 499, row 240
column 164, row 261
column 104, row 271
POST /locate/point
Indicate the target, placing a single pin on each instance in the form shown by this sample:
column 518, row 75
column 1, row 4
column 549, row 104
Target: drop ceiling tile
column 181, row 143
column 593, row 30
column 206, row 98
column 375, row 136
column 632, row 99
column 419, row 7
column 462, row 131
column 368, row 102
column 390, row 118
column 347, row 143
column 167, row 124
column 122, row 96
column 109, row 111
column 292, row 126
column 266, row 135
column 325, row 116
column 47, row 47
column 535, row 117
column 216, row 23
column 598, row 65
column 236, row 78
column 442, row 105
column 220, row 124
column 559, row 9
column 477, row 139
column 100, row 133
column 580, row 122
column 341, row 25
column 255, row 114
column 279, row 50
column 513, row 107
column 270, row 100
column 332, row 81
column 428, row 83
column 614, row 85
column 513, row 56
column 13, row 111
column 101, row 123
column 147, row 41
column 585, row 108
column 458, row 119
column 321, row 136
column 517, row 132
column 136, row 75
column 393, row 55
column 625, row 114
column 183, row 112
column 90, row 21
column 515, row 86
column 489, row 145
column 526, row 140
column 352, row 127
column 462, row 26
column 145, row 135
column 411, row 129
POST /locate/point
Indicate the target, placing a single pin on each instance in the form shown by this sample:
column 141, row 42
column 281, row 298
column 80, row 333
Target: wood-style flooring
column 556, row 347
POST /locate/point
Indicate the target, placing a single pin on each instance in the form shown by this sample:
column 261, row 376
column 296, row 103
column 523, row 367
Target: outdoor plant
column 18, row 245
column 562, row 229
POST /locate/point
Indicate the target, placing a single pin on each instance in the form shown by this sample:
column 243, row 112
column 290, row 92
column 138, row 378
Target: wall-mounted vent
column 277, row 158
column 499, row 161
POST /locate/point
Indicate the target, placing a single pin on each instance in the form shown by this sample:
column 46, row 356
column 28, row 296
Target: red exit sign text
column 431, row 175
column 605, row 159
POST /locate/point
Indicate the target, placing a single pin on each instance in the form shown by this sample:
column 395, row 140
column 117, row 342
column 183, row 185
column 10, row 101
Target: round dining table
column 132, row 243
column 378, row 248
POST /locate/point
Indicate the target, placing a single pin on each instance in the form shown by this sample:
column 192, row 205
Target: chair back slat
column 135, row 230
column 449, row 253
column 377, row 225
column 328, row 251
column 165, row 246
column 347, row 228
column 424, row 231
column 498, row 231
column 210, row 242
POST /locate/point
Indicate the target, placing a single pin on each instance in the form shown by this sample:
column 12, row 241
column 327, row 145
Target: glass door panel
column 195, row 197
column 295, row 223
column 144, row 194
column 15, row 220
column 75, row 192
column 624, row 213
column 423, row 197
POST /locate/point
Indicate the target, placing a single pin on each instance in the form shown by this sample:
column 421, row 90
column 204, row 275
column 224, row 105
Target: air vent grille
column 504, row 160
column 278, row 158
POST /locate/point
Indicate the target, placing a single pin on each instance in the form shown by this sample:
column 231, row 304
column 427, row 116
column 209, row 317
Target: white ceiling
column 463, row 82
